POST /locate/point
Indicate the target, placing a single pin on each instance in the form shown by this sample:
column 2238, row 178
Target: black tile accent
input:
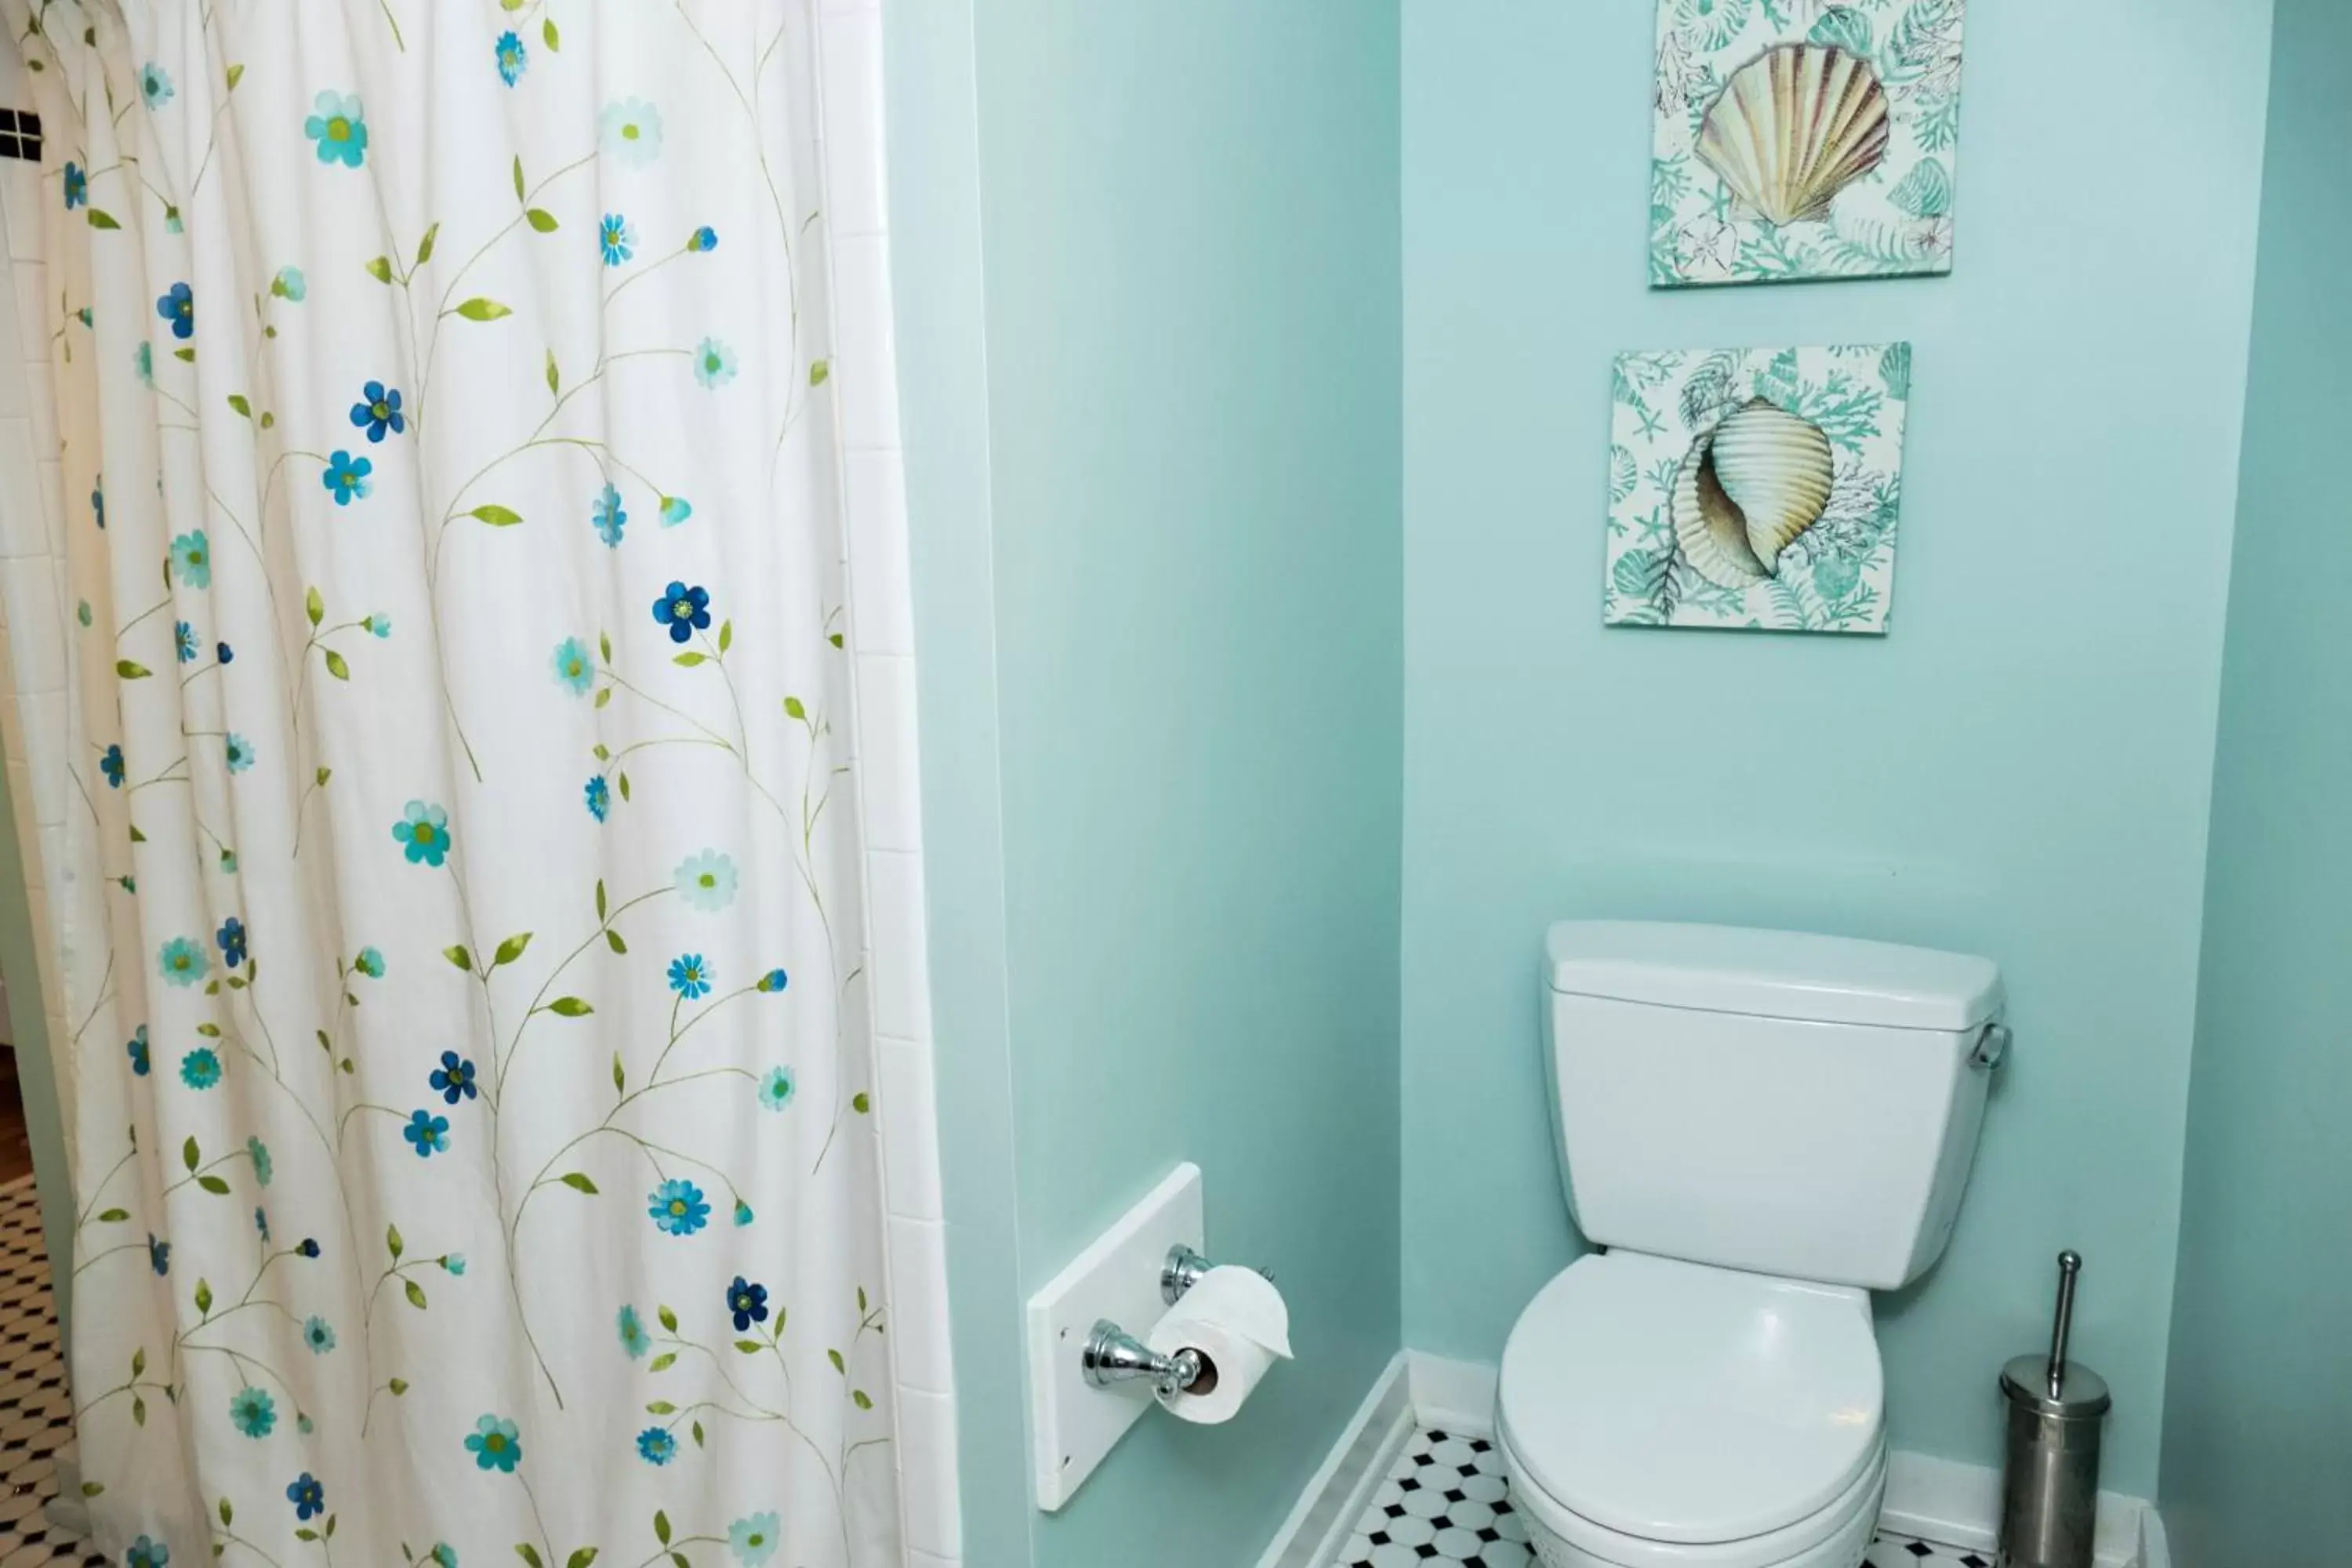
column 1445, row 1502
column 36, row 1407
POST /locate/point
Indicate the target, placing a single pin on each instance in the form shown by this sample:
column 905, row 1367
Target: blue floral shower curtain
column 470, row 1140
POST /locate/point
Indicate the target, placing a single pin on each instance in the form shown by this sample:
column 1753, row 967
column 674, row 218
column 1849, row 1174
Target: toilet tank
column 1795, row 1105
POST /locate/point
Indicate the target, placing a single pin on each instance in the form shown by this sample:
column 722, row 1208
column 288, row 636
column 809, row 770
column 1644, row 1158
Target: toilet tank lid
column 1772, row 973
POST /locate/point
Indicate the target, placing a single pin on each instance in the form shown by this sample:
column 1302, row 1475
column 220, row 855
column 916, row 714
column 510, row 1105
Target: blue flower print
column 379, row 623
column 231, row 938
column 289, row 285
column 192, row 560
column 97, row 500
column 742, row 1214
column 223, row 653
column 618, row 239
column 453, row 1263
column 496, row 1445
column 632, row 1329
column 147, row 1552
column 573, row 666
column 608, row 517
column 309, row 1497
column 424, row 834
column 77, row 186
column 429, row 1134
column 159, row 1255
column 346, row 478
column 339, row 128
column 776, row 1089
column 678, row 1207
column 600, row 797
column 252, row 1411
column 261, row 1222
column 155, row 85
column 110, row 762
column 454, row 1079
column 684, row 610
column 319, row 1334
column 702, row 239
column 632, row 132
column 706, row 880
column 240, row 753
column 369, row 962
column 512, row 58
column 142, row 1061
column 181, row 961
column 264, row 1168
column 675, row 510
column 714, row 363
column 183, row 639
column 443, row 1555
column 754, row 1540
column 656, row 1446
column 308, row 1247
column 749, row 1302
column 378, row 411
column 774, row 980
column 178, row 306
column 200, row 1069
column 689, row 976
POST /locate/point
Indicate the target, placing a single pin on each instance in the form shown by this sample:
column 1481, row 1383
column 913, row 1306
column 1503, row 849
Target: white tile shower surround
column 884, row 756
column 31, row 486
column 36, row 1407
column 1445, row 1502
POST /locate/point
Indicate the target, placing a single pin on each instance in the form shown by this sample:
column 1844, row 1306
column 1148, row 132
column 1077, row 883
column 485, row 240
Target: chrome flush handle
column 1991, row 1046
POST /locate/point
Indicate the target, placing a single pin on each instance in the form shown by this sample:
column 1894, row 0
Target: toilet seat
column 1703, row 1413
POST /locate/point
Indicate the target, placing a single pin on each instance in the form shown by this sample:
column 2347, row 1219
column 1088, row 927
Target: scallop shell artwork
column 1746, row 490
column 1803, row 141
column 1795, row 126
column 1756, row 489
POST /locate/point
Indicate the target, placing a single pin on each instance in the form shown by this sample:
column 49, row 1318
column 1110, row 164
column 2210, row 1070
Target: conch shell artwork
column 1756, row 489
column 1803, row 141
column 1748, row 488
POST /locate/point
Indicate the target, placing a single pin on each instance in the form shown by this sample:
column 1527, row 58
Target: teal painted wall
column 1146, row 260
column 2020, row 769
column 2258, row 1414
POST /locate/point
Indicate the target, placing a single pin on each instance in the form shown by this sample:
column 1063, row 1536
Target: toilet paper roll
column 1238, row 1323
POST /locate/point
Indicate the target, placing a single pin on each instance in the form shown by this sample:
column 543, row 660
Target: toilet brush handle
column 2070, row 1264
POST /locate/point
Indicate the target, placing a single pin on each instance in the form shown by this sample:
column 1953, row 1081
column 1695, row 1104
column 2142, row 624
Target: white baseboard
column 1342, row 1488
column 1452, row 1395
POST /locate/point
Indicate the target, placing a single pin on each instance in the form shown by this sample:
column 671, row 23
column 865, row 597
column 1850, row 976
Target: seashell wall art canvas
column 1756, row 490
column 1800, row 139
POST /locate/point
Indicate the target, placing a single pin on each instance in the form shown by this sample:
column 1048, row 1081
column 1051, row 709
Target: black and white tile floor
column 35, row 1407
column 1445, row 1502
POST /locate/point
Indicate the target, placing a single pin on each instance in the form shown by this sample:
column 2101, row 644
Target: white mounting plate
column 1073, row 1424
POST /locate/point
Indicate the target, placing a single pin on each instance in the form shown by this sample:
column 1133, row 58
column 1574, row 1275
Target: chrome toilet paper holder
column 1111, row 1355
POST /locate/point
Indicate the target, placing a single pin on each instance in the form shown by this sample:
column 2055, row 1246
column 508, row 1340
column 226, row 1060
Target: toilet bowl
column 1658, row 1414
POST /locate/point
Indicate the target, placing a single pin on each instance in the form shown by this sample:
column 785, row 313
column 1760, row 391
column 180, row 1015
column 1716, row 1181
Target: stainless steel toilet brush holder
column 2050, row 1479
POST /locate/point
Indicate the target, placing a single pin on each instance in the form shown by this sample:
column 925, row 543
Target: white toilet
column 1759, row 1128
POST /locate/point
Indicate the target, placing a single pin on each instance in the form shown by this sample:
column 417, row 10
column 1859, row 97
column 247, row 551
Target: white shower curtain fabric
column 460, row 919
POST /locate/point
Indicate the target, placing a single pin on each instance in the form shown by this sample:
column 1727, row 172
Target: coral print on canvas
column 1756, row 489
column 1800, row 140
